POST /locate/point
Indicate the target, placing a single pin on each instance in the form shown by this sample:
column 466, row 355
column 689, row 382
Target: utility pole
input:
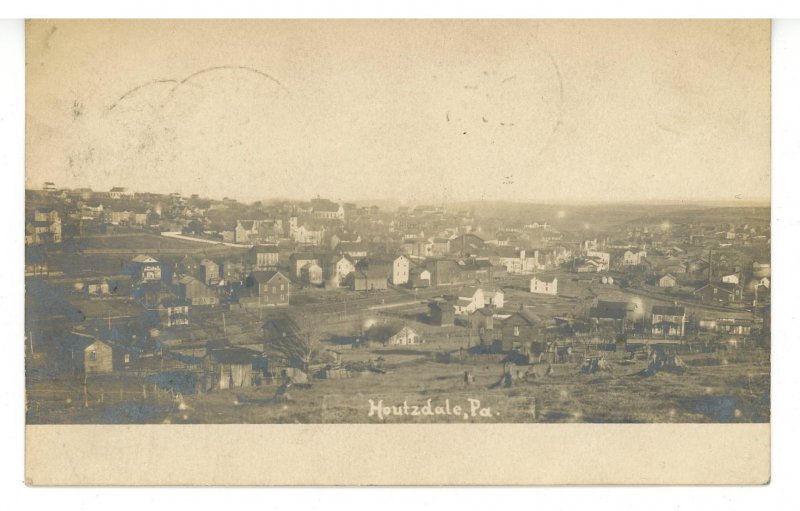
column 30, row 338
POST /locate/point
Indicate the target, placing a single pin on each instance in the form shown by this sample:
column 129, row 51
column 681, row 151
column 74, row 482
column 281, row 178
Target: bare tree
column 298, row 345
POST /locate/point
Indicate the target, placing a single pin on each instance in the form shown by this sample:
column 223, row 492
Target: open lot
column 717, row 387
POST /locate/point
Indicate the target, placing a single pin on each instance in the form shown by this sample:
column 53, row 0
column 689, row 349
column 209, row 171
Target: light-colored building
column 45, row 227
column 469, row 300
column 120, row 192
column 544, row 285
column 667, row 280
column 305, row 235
column 494, row 298
column 633, row 257
column 311, row 273
column 146, row 268
column 265, row 256
column 400, row 270
column 733, row 278
column 404, row 337
column 209, row 271
column 668, row 321
column 337, row 270
column 327, row 210
column 602, row 259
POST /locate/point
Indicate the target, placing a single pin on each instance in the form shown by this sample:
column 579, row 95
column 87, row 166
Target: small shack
column 441, row 313
column 229, row 367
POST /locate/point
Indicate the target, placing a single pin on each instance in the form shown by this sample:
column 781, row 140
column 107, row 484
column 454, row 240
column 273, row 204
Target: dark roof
column 265, row 276
column 669, row 310
column 442, row 306
column 266, row 249
column 233, row 355
column 324, row 205
column 728, row 288
column 596, row 312
column 373, row 273
column 174, row 302
column 516, row 316
column 609, row 305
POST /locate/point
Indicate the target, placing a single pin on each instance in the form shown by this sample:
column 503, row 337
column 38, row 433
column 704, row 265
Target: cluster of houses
column 278, row 251
column 43, row 227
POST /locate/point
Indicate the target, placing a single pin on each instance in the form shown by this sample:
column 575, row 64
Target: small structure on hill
column 661, row 362
column 593, row 365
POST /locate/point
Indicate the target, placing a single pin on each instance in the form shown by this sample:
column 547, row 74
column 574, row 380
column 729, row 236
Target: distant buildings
column 393, row 335
column 44, row 227
column 668, row 321
column 146, row 269
column 229, row 368
column 209, row 272
column 442, row 313
column 368, row 279
column 195, row 292
column 265, row 257
column 250, row 232
column 120, row 192
column 633, row 257
column 469, row 300
column 719, row 293
column 667, row 281
column 544, row 285
column 400, row 270
column 267, row 288
column 611, row 317
column 326, row 210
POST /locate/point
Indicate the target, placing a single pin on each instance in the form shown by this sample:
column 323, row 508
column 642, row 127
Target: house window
column 516, row 331
column 92, row 355
column 127, row 358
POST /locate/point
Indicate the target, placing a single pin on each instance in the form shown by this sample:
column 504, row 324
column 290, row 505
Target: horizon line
column 748, row 202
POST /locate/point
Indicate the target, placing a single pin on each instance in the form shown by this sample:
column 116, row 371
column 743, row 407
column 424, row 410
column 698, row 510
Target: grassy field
column 732, row 387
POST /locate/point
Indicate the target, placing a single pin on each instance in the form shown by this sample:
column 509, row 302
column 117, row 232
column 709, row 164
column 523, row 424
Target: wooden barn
column 228, row 368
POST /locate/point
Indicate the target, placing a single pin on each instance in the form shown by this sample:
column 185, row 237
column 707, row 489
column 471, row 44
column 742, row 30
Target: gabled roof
column 469, row 292
column 520, row 316
column 188, row 279
column 669, row 310
column 263, row 277
column 611, row 305
column 550, row 279
column 596, row 312
column 372, row 273
column 266, row 249
column 144, row 259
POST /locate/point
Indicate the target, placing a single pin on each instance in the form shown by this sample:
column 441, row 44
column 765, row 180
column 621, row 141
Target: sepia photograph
column 394, row 222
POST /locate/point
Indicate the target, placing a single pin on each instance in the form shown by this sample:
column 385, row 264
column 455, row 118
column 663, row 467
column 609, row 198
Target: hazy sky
column 413, row 111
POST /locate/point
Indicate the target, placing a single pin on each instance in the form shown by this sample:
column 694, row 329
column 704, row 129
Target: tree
column 299, row 346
